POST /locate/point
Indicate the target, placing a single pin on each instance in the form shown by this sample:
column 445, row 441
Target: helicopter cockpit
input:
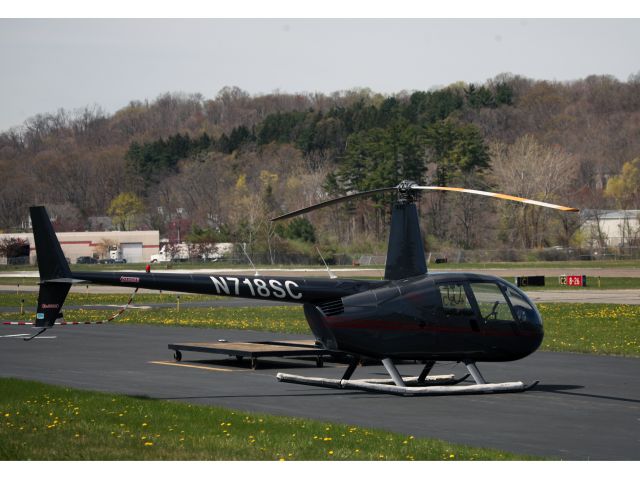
column 489, row 300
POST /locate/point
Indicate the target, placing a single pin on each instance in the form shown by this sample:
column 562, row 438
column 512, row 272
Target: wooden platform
column 255, row 350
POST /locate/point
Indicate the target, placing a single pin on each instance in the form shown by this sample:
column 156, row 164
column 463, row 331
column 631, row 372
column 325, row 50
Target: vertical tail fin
column 51, row 261
column 55, row 275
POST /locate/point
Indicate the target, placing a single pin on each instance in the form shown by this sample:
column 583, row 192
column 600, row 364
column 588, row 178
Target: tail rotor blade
column 501, row 196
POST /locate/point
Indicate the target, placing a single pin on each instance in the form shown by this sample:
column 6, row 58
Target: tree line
column 221, row 167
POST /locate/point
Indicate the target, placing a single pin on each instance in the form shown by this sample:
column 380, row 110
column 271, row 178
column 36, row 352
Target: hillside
column 220, row 167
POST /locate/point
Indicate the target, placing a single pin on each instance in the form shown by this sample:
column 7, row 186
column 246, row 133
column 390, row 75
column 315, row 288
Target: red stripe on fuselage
column 396, row 326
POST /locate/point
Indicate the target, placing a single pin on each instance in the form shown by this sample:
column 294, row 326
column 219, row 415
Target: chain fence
column 452, row 255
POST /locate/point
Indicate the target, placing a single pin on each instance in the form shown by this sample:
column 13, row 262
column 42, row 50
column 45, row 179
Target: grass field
column 19, row 281
column 584, row 328
column 42, row 422
column 591, row 328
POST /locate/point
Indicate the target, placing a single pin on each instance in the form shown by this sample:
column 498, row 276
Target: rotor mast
column 405, row 251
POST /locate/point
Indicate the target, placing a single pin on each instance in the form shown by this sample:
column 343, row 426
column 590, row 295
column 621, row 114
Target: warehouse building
column 615, row 228
column 132, row 246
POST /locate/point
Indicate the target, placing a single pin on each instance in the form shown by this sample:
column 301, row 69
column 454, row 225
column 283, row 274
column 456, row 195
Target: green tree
column 281, row 127
column 456, row 149
column 300, row 229
column 625, row 187
column 504, row 93
column 479, row 97
column 380, row 157
column 429, row 107
column 123, row 210
column 238, row 137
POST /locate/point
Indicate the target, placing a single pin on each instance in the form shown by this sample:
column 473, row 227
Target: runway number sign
column 573, row 280
column 256, row 287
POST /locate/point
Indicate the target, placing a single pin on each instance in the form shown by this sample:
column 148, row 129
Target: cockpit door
column 494, row 309
column 456, row 305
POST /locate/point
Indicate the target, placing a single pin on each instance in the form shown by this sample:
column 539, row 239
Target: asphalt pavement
column 585, row 407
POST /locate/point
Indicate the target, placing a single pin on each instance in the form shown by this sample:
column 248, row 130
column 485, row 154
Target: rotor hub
column 406, row 193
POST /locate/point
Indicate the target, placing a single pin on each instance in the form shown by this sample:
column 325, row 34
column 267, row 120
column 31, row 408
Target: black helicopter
column 409, row 315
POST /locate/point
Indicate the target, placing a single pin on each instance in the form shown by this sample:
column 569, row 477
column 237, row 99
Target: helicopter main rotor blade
column 502, row 196
column 331, row 202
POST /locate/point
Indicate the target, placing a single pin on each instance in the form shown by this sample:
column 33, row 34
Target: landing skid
column 422, row 385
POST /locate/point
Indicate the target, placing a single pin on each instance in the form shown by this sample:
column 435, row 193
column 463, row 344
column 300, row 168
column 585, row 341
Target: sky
column 71, row 63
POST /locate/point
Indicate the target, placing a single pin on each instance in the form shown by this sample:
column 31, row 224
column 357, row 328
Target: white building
column 134, row 246
column 616, row 227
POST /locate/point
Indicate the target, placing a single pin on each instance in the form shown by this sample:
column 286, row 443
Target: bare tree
column 530, row 169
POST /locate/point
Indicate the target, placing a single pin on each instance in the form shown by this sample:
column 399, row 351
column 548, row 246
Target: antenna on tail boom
column 331, row 274
column 244, row 250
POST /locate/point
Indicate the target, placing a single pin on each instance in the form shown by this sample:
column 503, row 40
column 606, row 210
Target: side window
column 492, row 303
column 455, row 301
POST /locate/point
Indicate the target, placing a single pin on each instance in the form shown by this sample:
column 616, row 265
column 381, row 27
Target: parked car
column 86, row 260
column 112, row 261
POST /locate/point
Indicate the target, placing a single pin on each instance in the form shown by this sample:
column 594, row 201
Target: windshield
column 523, row 309
column 502, row 302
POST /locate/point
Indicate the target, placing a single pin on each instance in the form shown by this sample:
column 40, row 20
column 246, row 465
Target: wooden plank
column 254, row 349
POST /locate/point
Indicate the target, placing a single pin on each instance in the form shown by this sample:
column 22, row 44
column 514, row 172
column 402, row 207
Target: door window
column 455, row 301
